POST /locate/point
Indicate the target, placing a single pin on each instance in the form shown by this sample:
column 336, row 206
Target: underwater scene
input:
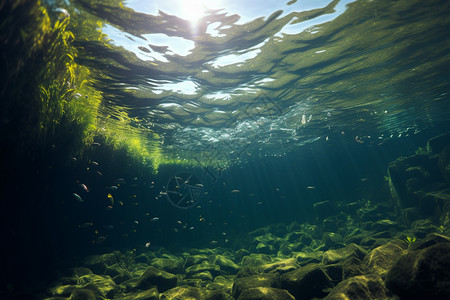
column 225, row 149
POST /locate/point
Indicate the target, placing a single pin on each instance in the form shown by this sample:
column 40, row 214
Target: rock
column 384, row 225
column 268, row 239
column 169, row 265
column 267, row 280
column 337, row 255
column 205, row 276
column 195, row 260
column 82, row 294
column 265, row 293
column 382, row 258
column 307, row 282
column 265, row 248
column 226, row 265
column 150, row 294
column 184, row 292
column 281, row 267
column 99, row 263
column 101, row 285
column 353, row 266
column 304, row 258
column 113, row 270
column 154, row 277
column 430, row 240
column 436, row 144
column 220, row 282
column 422, row 274
column 240, row 254
column 218, row 295
column 364, row 287
column 62, row 290
column 332, row 240
column 202, row 267
column 122, row 277
column 77, row 272
column 254, row 260
column 247, row 271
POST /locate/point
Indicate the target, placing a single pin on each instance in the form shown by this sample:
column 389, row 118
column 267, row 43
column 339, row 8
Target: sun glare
column 193, row 10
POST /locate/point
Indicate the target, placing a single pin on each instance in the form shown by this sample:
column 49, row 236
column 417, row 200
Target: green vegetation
column 51, row 104
column 410, row 240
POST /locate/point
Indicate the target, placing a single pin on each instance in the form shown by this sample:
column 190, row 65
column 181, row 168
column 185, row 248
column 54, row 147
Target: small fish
column 260, row 202
column 310, row 187
column 199, row 185
column 111, row 198
column 85, row 225
column 112, row 188
column 147, row 244
column 109, row 207
column 235, row 191
column 179, row 222
column 95, row 144
column 175, row 230
column 136, row 222
column 213, row 242
column 77, row 197
column 202, row 219
column 119, row 181
column 99, row 173
column 154, row 219
column 192, row 228
column 94, row 163
column 99, row 240
column 224, row 233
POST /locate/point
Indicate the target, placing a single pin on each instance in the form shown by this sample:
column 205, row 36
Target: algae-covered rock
column 266, row 280
column 254, row 260
column 195, row 260
column 80, row 271
column 99, row 263
column 307, row 282
column 205, row 276
column 226, row 265
column 155, row 277
column 382, row 258
column 365, row 287
column 281, row 267
column 184, row 292
column 265, row 248
column 174, row 266
column 337, row 255
column 220, row 282
column 150, row 294
column 202, row 267
column 422, row 274
column 265, row 293
column 82, row 294
column 101, row 285
column 304, row 258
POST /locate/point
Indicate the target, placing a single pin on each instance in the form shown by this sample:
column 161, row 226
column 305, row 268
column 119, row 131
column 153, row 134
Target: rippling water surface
column 263, row 78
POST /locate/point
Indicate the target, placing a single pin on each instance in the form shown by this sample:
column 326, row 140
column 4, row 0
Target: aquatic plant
column 410, row 240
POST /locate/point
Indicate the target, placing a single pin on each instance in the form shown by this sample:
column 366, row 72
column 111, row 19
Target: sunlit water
column 233, row 77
